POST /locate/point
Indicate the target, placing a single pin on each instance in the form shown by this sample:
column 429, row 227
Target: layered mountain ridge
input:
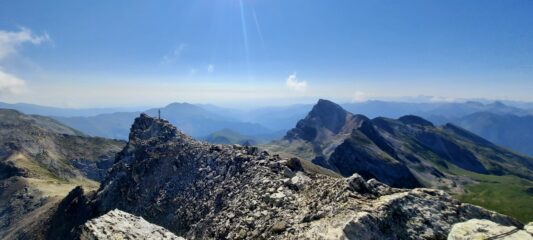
column 405, row 152
column 515, row 132
column 343, row 142
column 204, row 191
column 199, row 190
column 504, row 123
column 190, row 118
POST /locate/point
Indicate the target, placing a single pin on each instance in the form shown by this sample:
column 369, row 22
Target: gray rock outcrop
column 529, row 228
column 485, row 229
column 117, row 225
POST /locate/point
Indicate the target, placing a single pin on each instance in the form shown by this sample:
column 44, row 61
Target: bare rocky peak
column 205, row 191
column 147, row 128
column 407, row 152
column 329, row 115
column 323, row 121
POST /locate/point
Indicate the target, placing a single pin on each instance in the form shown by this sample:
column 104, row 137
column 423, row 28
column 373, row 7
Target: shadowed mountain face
column 41, row 160
column 406, row 152
column 326, row 118
column 326, row 126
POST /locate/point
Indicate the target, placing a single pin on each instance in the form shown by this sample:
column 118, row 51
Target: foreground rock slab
column 117, row 224
column 485, row 229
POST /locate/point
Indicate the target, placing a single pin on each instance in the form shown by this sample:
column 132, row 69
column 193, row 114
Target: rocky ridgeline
column 204, row 191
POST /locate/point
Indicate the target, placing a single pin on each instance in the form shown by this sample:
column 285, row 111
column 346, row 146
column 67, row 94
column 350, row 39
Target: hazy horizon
column 236, row 52
column 239, row 105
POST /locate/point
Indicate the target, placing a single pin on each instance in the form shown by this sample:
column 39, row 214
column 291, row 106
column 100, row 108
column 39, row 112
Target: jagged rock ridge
column 205, row 191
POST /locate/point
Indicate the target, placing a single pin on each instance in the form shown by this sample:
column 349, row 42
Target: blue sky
column 126, row 53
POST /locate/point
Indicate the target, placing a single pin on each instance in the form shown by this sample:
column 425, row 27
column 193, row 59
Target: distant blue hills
column 508, row 125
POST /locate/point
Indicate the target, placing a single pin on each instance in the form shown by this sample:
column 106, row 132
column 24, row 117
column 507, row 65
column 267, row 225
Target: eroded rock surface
column 485, row 229
column 117, row 224
column 529, row 228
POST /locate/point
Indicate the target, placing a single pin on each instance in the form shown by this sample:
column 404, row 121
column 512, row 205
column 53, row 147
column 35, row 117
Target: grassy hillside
column 507, row 194
column 227, row 136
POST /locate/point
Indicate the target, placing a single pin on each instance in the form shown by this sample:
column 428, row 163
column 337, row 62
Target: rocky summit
column 198, row 190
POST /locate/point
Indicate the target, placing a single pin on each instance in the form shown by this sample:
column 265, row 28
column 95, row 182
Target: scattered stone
column 279, row 227
column 358, row 184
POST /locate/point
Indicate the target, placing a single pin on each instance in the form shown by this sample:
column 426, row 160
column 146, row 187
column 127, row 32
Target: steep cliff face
column 325, row 127
column 204, row 191
column 370, row 161
column 325, row 117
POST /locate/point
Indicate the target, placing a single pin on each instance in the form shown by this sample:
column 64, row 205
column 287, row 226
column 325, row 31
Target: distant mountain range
column 439, row 113
column 406, row 152
column 200, row 190
column 63, row 112
column 189, row 118
column 511, row 131
column 501, row 123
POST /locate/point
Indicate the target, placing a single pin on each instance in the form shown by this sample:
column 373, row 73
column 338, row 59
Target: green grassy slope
column 509, row 195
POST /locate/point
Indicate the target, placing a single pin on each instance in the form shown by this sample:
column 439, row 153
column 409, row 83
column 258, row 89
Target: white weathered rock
column 529, row 228
column 117, row 225
column 485, row 229
column 415, row 214
column 299, row 180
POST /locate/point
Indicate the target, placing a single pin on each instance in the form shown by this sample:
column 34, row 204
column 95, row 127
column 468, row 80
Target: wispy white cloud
column 210, row 68
column 359, row 96
column 443, row 99
column 175, row 54
column 10, row 42
column 11, row 85
column 294, row 84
